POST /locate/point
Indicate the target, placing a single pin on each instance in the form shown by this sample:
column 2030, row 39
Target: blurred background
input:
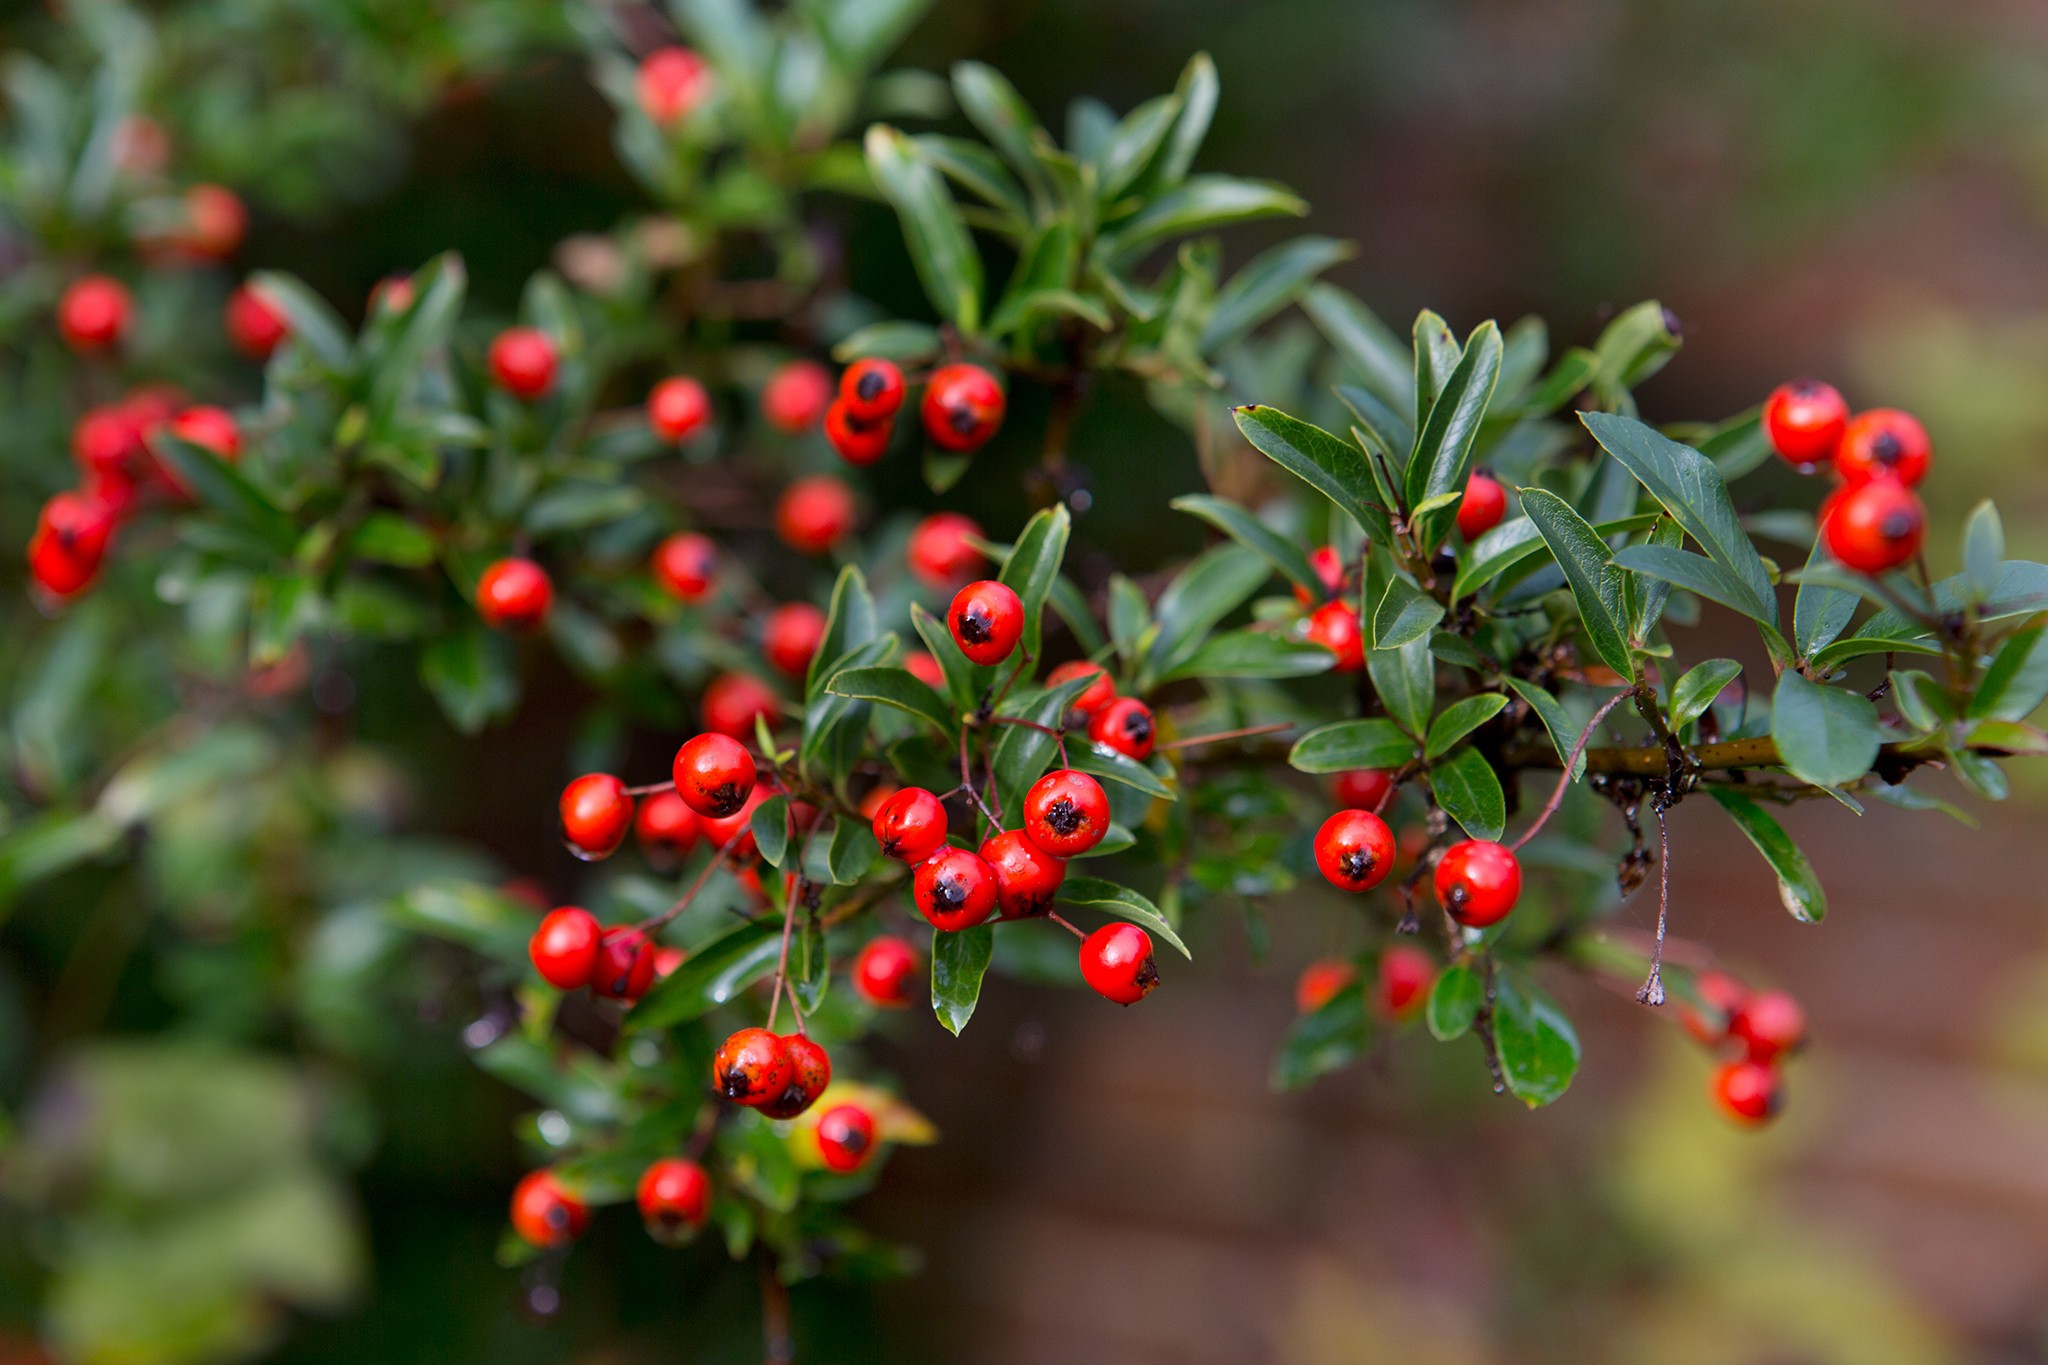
column 1852, row 188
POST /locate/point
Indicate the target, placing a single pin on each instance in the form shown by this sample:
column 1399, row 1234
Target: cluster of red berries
column 781, row 1075
column 961, row 410
column 1402, row 977
column 571, row 949
column 1873, row 522
column 1761, row 1027
column 1477, row 881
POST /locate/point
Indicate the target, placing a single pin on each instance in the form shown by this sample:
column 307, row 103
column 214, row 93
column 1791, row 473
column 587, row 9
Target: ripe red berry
column 1355, row 850
column 678, row 408
column 596, row 813
column 514, row 594
column 1321, row 982
column 70, row 541
column 1329, row 567
column 545, row 1213
column 733, row 700
column 911, row 825
column 814, row 514
column 1747, row 1091
column 674, row 1196
column 810, row 1071
column 791, row 637
column 857, row 442
column 523, row 361
column 1478, row 882
column 1126, row 726
column 672, row 82
column 215, row 223
column 925, row 669
column 1484, row 504
column 564, row 947
column 210, row 428
column 1402, row 987
column 1362, row 788
column 987, row 620
column 752, row 1067
column 93, row 313
column 963, row 407
column 1335, row 626
column 941, row 550
column 1873, row 527
column 1769, row 1023
column 714, row 774
column 954, row 889
column 796, row 395
column 1027, row 877
column 1803, row 421
column 872, row 389
column 1066, row 813
column 1884, row 443
column 1091, row 698
column 666, row 828
column 735, row 832
column 391, row 295
column 1722, row 995
column 107, row 442
column 1116, row 960
column 254, row 325
column 846, row 1138
column 685, row 564
column 882, row 971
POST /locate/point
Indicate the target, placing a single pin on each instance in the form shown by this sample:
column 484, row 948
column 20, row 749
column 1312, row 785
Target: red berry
column 1747, row 1091
column 1066, row 813
column 1027, row 877
column 882, row 971
column 810, row 1071
column 791, row 637
column 1321, row 982
column 1355, row 850
column 596, row 813
column 1873, row 527
column 210, row 428
column 672, row 82
column 667, row 959
column 107, row 441
column 911, row 825
column 685, row 564
column 857, row 442
column 393, row 294
column 678, row 408
column 796, row 395
column 1803, row 421
column 735, row 832
column 941, row 549
column 666, row 827
column 815, row 514
column 1769, row 1023
column 1722, row 995
column 752, row 1067
column 1478, row 882
column 1126, row 726
column 987, row 620
column 93, row 313
column 545, row 1213
column 714, row 774
column 963, row 407
column 70, row 541
column 1335, row 626
column 1362, row 788
column 523, row 361
column 925, row 669
column 514, row 594
column 215, row 222
column 872, row 390
column 733, row 700
column 1329, row 567
column 1402, row 987
column 1484, row 504
column 564, row 947
column 1116, row 960
column 1095, row 695
column 674, row 1196
column 846, row 1138
column 256, row 328
column 954, row 889
column 1884, row 443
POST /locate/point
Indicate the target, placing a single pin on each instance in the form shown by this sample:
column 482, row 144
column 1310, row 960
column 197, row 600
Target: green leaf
column 438, row 289
column 1071, row 605
column 1588, row 566
column 1453, row 1002
column 1694, row 573
column 1047, row 265
column 2017, row 681
column 1538, row 1048
column 1122, row 902
column 225, row 488
column 850, row 623
column 1635, row 346
column 770, row 824
column 1252, row 654
column 1981, row 774
column 1322, row 1041
column 852, row 852
column 1099, row 761
column 1284, row 553
column 907, row 343
column 1033, row 564
column 975, row 168
column 2007, row 737
column 1375, row 743
column 947, row 264
column 1983, row 549
column 962, row 676
column 1197, row 91
column 2022, row 590
column 468, row 913
column 1693, row 693
column 388, row 538
column 1383, row 429
column 1460, row 719
column 993, row 105
column 1436, row 354
column 1443, row 447
column 1198, row 204
column 308, row 319
column 810, row 964
column 473, row 674
column 959, row 960
column 895, row 687
column 1405, row 679
column 1269, row 282
column 1820, row 612
column 1380, row 358
column 1798, row 887
column 710, row 976
column 1564, row 734
column 1021, row 752
column 1334, row 468
column 1405, row 613
column 1469, row 791
column 1828, row 736
column 1130, row 618
column 1214, row 584
column 1132, row 144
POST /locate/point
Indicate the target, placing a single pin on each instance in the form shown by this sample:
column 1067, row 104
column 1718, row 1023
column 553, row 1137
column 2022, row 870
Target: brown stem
column 1064, row 923
column 650, row 925
column 782, row 960
column 1759, row 752
column 1564, row 779
column 778, row 1346
column 1245, row 733
column 1652, row 992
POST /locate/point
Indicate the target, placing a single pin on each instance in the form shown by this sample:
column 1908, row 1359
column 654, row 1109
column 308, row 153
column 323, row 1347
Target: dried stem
column 1652, row 992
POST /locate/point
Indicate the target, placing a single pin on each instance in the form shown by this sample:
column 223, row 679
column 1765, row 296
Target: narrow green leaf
column 1557, row 722
column 710, row 976
column 1284, row 553
column 852, row 852
column 1374, row 743
column 1269, row 282
column 771, row 829
column 1214, row 584
column 2017, row 682
column 1443, row 447
column 1334, row 468
column 1693, row 693
column 1197, row 90
column 1199, row 203
column 959, row 960
column 1405, row 679
column 1111, row 766
column 1469, row 791
column 850, row 623
column 895, row 687
column 1122, row 902
column 1033, row 564
column 947, row 264
column 308, row 319
column 1798, row 888
column 1460, row 719
column 993, row 105
column 1252, row 653
column 1983, row 549
column 1405, row 613
column 1323, row 1040
column 1589, row 569
column 1820, row 612
column 1378, row 356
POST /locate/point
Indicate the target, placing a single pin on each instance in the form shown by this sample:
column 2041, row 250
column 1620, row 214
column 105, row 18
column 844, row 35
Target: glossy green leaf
column 473, row 674
column 1133, row 143
column 1379, row 357
column 1798, row 888
column 976, row 169
column 1435, row 355
column 1695, row 691
column 1197, row 91
column 309, row 321
column 947, row 264
column 1469, row 791
column 2016, row 683
column 1557, row 722
column 1820, row 612
column 1374, row 743
column 1268, row 282
column 1122, row 902
column 710, row 976
column 1983, row 549
column 1443, row 446
column 1460, row 719
column 1213, row 585
column 1199, row 203
column 1334, row 468
column 1537, row 1045
column 1404, row 614
column 1405, row 679
column 1111, row 766
column 1589, row 569
column 1033, row 564
column 1828, row 736
column 1021, row 752
column 1252, row 654
column 1284, row 553
column 1453, row 1002
column 993, row 105
column 227, row 489
column 469, row 913
column 770, row 824
column 850, row 623
column 959, row 960
column 895, row 687
column 852, row 851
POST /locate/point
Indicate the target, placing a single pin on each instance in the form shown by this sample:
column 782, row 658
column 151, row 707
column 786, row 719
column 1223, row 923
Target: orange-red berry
column 752, row 1067
column 523, row 362
column 846, row 1138
column 810, row 1071
column 1803, row 420
column 910, row 825
column 685, row 565
column 954, row 889
column 963, row 407
column 1027, row 877
column 815, row 514
column 596, row 815
column 883, row 971
column 1335, row 626
column 1873, row 527
column 733, row 700
column 941, row 550
column 1354, row 850
column 796, row 396
column 1321, row 982
column 1884, row 443
column 1748, row 1092
column 714, row 774
column 671, row 82
column 255, row 325
column 93, row 313
column 564, row 947
column 1126, row 726
column 1066, row 813
column 790, row 637
column 678, row 408
column 1401, row 987
column 514, row 594
column 1116, row 961
column 1484, row 504
column 545, row 1213
column 987, row 620
column 1478, row 882
column 674, row 1195
column 666, row 827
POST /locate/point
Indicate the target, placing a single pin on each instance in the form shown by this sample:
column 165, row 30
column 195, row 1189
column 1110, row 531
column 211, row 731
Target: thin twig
column 1564, row 780
column 1652, row 993
column 651, row 788
column 1064, row 923
column 1246, row 733
column 649, row 926
column 782, row 960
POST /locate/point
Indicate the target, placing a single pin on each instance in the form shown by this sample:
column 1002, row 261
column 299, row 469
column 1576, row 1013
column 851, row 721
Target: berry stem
column 650, row 925
column 651, row 788
column 1564, row 779
column 1065, row 923
column 782, row 959
column 1246, row 733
